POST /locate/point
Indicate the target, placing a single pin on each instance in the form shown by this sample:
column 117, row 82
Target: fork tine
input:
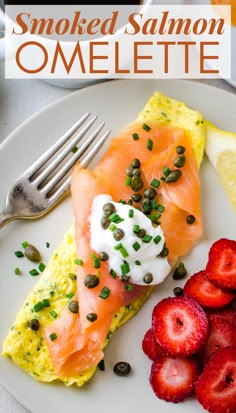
column 57, row 178
column 62, row 155
column 54, row 148
column 91, row 155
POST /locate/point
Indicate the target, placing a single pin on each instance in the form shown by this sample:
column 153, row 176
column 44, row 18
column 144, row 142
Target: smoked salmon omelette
column 135, row 214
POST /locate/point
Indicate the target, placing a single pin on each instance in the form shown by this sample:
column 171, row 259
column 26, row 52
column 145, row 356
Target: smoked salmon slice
column 77, row 342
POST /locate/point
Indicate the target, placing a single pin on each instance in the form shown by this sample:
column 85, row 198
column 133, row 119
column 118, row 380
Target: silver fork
column 45, row 182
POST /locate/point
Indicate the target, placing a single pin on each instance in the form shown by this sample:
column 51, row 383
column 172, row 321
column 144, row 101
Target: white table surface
column 19, row 99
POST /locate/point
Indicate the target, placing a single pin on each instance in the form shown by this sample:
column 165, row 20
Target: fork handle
column 5, row 218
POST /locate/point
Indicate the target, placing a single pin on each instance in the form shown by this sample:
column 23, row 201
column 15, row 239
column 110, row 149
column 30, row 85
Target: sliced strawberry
column 150, row 346
column 216, row 387
column 173, row 379
column 221, row 265
column 221, row 334
column 228, row 314
column 199, row 287
column 180, row 325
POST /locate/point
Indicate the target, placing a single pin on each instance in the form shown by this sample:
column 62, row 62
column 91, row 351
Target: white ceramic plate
column 118, row 103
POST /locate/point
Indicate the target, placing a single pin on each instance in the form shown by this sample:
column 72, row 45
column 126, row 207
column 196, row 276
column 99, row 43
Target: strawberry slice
column 180, row 325
column 150, row 346
column 216, row 387
column 221, row 334
column 228, row 314
column 199, row 287
column 221, row 265
column 173, row 379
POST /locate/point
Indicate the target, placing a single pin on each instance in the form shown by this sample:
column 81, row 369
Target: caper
column 173, row 176
column 136, row 172
column 164, row 252
column 180, row 161
column 125, row 278
column 146, row 201
column 32, row 253
column 180, row 272
column 136, row 183
column 118, row 234
column 105, row 222
column 178, row 291
column 108, row 208
column 91, row 281
column 180, row 149
column 34, row 324
column 129, row 171
column 136, row 197
column 91, row 317
column 148, row 278
column 150, row 193
column 190, row 219
column 72, row 276
column 141, row 233
column 122, row 368
column 73, row 306
column 103, row 256
column 135, row 163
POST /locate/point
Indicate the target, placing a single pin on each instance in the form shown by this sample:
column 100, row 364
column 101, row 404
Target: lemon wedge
column 220, row 148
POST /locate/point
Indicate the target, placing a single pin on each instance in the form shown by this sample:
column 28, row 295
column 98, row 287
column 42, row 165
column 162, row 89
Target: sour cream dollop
column 134, row 256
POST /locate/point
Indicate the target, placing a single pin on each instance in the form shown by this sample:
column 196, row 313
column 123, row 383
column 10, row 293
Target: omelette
column 29, row 347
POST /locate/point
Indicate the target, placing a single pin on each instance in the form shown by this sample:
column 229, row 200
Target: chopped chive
column 17, row 271
column 130, row 202
column 47, row 244
column 46, row 302
column 147, row 238
column 96, row 263
column 41, row 267
column 112, row 227
column 78, row 261
column 122, row 201
column 19, row 254
column 155, row 182
column 153, row 204
column 131, row 213
column 105, row 292
column 149, row 144
column 25, row 244
column 53, row 314
column 38, row 306
column 33, row 272
column 166, row 171
column 52, row 293
column 127, row 181
column 164, row 114
column 113, row 273
column 124, row 252
column 115, row 218
column 154, row 217
column 136, row 229
column 146, row 127
column 135, row 136
column 92, row 255
column 53, row 336
column 125, row 268
column 118, row 246
column 137, row 262
column 136, row 246
column 129, row 287
column 160, row 208
column 70, row 295
column 157, row 239
column 75, row 149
